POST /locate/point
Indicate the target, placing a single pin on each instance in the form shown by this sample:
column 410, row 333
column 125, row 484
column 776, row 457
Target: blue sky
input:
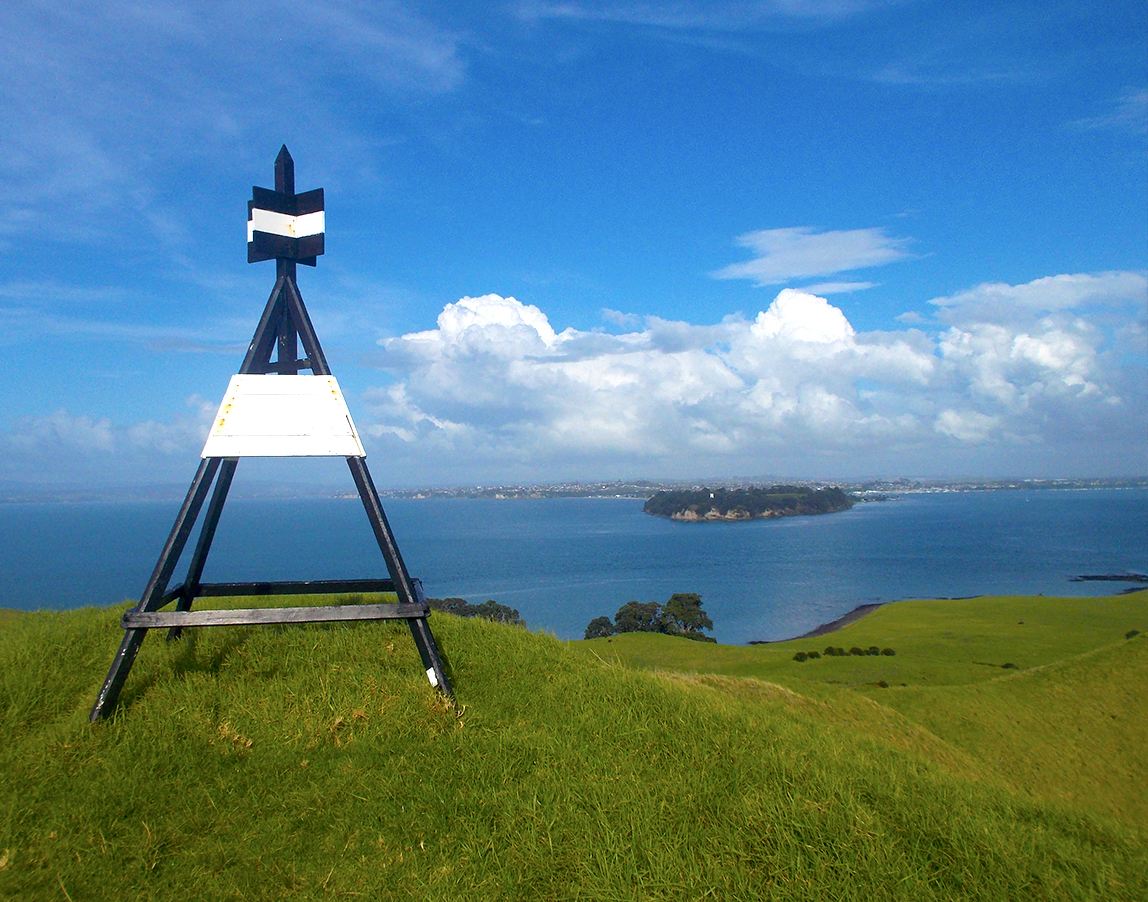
column 567, row 240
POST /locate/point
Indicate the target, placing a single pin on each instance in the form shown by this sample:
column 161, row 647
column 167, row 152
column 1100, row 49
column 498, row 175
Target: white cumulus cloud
column 797, row 385
column 797, row 316
column 1046, row 377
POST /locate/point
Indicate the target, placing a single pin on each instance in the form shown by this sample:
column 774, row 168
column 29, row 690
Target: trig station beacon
column 270, row 410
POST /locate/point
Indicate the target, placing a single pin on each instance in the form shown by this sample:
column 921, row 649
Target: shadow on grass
column 187, row 656
column 183, row 663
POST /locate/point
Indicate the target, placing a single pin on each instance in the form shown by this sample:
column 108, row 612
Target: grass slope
column 309, row 762
column 1068, row 724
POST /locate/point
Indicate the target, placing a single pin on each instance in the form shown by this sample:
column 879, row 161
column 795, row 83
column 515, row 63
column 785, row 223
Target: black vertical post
column 288, row 363
column 157, row 585
column 288, row 353
column 284, row 172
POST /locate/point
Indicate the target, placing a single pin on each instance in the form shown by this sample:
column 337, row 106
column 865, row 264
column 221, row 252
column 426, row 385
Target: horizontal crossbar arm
column 310, row 587
column 135, row 620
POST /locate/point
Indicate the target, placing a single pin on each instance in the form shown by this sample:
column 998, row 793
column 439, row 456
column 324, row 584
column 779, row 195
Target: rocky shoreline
column 832, row 626
column 712, row 516
column 863, row 610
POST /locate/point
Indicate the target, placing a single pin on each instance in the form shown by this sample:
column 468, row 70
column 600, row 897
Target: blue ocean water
column 564, row 561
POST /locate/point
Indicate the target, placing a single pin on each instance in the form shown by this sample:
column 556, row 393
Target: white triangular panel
column 283, row 416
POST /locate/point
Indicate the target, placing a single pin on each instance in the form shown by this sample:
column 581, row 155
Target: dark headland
column 710, row 505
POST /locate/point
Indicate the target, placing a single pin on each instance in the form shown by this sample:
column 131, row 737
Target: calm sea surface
column 562, row 562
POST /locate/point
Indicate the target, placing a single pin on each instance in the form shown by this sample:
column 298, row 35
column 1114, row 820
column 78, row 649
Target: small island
column 710, row 505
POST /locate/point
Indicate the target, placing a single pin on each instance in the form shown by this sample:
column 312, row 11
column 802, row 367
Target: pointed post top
column 283, row 225
column 284, row 171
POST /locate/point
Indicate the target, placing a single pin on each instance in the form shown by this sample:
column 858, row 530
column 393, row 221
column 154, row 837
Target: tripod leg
column 428, row 651
column 203, row 546
column 409, row 590
column 157, row 585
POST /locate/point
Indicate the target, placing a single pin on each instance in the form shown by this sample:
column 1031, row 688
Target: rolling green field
column 315, row 762
column 1065, row 723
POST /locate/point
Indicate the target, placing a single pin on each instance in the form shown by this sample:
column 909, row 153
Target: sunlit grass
column 313, row 762
column 1068, row 722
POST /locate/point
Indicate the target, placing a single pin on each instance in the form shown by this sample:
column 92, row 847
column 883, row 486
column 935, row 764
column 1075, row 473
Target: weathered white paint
column 283, row 416
column 433, row 677
column 283, row 224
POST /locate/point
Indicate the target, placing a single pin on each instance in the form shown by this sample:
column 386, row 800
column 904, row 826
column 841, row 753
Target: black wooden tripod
column 284, row 324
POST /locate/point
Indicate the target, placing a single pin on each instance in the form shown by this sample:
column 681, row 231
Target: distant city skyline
column 587, row 241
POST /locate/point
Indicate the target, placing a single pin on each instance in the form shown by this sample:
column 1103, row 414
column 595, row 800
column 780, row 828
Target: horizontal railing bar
column 310, row 587
column 172, row 595
column 134, row 620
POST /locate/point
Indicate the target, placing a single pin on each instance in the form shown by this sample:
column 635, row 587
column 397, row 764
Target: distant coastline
column 637, row 489
column 867, row 489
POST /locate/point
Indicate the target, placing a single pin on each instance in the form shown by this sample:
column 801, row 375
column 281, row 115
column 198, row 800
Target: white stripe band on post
column 433, row 677
column 283, row 224
column 283, row 416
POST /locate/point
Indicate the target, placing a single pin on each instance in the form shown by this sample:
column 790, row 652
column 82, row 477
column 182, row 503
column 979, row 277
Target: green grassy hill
column 1066, row 722
column 315, row 762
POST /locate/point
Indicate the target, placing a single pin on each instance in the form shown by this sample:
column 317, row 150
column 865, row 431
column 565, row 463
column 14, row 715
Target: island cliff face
column 726, row 505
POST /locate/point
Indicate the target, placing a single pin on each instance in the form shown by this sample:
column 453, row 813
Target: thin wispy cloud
column 103, row 100
column 947, row 73
column 838, row 287
column 1130, row 113
column 45, row 309
column 721, row 16
column 1049, row 294
column 784, row 255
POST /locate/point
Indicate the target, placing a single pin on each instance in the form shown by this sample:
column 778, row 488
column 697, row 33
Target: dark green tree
column 639, row 617
column 599, row 628
column 683, row 615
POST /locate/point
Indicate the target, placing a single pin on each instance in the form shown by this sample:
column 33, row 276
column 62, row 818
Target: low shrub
column 488, row 610
column 814, row 654
column 857, row 650
column 1008, row 666
column 800, row 656
column 1131, row 633
column 874, row 650
column 888, row 652
column 830, row 651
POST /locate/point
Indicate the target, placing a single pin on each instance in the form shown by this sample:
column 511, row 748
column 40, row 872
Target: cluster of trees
column 682, row 615
column 752, row 503
column 489, row 610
